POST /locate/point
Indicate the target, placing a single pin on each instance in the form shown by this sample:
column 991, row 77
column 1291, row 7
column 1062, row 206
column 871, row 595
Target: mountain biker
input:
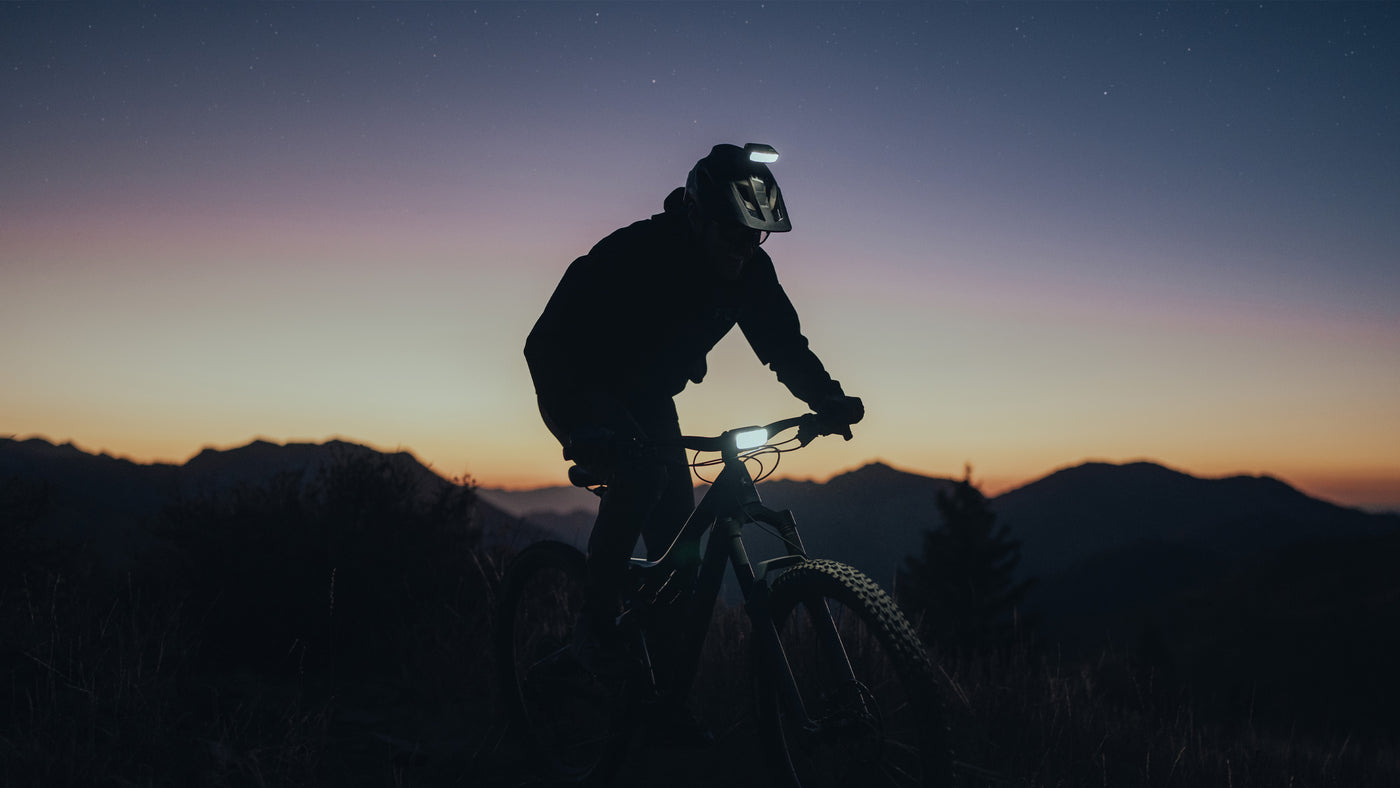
column 629, row 325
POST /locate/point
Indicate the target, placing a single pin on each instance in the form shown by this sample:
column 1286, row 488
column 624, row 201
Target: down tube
column 701, row 603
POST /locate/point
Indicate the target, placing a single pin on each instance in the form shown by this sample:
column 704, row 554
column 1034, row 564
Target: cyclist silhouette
column 629, row 325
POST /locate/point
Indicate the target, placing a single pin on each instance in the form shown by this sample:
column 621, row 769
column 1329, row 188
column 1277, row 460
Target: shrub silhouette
column 335, row 569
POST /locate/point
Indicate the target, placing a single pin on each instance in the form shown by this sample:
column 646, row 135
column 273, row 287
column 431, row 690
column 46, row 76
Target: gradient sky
column 1027, row 235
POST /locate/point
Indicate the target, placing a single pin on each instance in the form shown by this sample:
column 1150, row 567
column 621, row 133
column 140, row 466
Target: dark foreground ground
column 115, row 688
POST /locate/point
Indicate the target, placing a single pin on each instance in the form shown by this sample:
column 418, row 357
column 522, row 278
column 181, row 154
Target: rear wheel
column 878, row 723
column 574, row 726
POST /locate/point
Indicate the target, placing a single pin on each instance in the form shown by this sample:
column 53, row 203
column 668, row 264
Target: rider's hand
column 840, row 408
column 840, row 411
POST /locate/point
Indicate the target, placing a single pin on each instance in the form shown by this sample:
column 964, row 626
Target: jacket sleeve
column 771, row 326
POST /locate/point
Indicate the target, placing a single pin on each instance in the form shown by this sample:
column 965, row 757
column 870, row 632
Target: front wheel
column 574, row 726
column 870, row 712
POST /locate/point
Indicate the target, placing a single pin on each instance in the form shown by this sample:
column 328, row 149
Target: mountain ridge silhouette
column 109, row 504
column 1099, row 536
column 1112, row 506
column 1233, row 515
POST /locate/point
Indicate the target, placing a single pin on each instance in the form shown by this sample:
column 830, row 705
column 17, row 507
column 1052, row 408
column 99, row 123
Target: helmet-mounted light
column 763, row 154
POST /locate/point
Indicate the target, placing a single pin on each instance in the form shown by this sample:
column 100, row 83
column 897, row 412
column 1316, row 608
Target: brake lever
column 812, row 429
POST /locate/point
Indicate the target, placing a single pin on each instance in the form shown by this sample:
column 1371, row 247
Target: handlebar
column 733, row 445
column 809, row 426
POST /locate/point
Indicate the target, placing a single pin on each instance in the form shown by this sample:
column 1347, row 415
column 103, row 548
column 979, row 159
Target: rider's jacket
column 636, row 316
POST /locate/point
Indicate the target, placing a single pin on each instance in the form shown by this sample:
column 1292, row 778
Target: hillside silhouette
column 317, row 614
column 225, row 621
column 106, row 503
column 1073, row 514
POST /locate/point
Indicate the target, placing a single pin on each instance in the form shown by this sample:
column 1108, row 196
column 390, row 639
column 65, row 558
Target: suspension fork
column 727, row 543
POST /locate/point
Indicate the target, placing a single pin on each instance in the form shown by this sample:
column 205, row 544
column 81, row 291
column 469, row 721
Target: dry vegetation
column 343, row 639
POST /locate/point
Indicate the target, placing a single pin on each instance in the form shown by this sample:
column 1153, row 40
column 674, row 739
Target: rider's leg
column 652, row 495
column 673, row 722
column 634, row 488
column 676, row 497
column 635, row 485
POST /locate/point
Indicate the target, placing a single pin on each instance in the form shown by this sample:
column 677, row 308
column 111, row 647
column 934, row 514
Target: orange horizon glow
column 1373, row 489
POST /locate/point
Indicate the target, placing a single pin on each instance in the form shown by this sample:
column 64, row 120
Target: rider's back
column 639, row 313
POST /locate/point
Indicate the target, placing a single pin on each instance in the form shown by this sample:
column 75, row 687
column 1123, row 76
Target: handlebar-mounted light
column 763, row 154
column 745, row 440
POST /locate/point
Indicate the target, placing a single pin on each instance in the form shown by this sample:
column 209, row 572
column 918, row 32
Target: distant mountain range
column 874, row 516
column 1108, row 544
column 1103, row 540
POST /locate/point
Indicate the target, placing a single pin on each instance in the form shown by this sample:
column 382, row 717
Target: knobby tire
column 888, row 728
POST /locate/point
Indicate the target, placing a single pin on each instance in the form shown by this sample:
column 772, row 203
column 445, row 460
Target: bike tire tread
column 854, row 589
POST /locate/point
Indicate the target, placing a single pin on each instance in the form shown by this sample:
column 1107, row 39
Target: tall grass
column 1031, row 719
column 302, row 632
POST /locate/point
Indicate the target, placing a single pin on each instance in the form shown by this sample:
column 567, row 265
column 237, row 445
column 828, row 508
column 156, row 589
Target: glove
column 696, row 373
column 840, row 409
column 838, row 412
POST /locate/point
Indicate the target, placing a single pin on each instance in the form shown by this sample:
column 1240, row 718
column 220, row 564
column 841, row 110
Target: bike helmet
column 733, row 186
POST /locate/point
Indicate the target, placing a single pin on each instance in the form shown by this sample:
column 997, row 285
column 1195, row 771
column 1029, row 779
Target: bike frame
column 731, row 503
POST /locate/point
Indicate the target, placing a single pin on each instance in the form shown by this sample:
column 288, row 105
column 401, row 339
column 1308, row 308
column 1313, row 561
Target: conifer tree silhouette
column 961, row 588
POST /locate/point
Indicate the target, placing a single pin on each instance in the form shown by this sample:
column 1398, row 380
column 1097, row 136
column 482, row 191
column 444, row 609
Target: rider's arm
column 770, row 324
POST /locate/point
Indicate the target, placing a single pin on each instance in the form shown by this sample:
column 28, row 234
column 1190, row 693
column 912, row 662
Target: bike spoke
column 553, row 655
column 897, row 775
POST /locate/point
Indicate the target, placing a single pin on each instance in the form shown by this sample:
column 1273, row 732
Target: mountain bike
column 844, row 692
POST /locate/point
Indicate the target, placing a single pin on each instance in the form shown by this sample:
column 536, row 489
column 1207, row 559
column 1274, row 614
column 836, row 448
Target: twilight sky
column 1026, row 234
